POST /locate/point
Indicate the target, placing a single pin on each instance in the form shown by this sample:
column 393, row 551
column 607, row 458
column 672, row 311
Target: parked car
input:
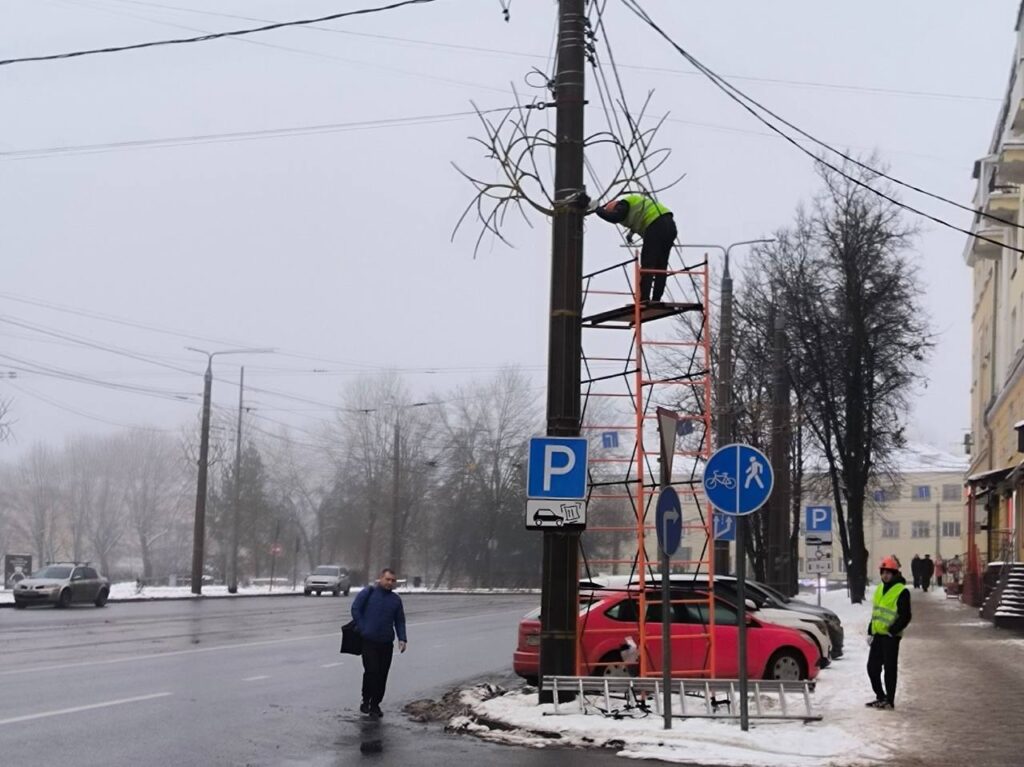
column 768, row 610
column 832, row 621
column 62, row 584
column 609, row 624
column 331, row 578
column 776, row 608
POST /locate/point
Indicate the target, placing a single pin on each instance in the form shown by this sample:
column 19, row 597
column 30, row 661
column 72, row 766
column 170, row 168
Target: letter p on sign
column 557, row 468
column 550, row 469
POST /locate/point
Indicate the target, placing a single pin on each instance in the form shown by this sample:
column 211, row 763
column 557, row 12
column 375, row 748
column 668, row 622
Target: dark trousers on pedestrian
column 659, row 239
column 884, row 654
column 376, row 664
column 917, row 581
column 925, row 582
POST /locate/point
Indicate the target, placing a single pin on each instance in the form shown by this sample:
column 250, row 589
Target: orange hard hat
column 889, row 563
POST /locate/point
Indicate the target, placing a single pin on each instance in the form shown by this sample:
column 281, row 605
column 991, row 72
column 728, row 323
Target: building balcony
column 1010, row 167
column 978, row 248
column 1003, row 204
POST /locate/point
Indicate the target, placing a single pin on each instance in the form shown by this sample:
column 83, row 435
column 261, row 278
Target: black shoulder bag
column 351, row 639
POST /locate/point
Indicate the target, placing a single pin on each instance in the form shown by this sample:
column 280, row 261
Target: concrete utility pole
column 560, row 588
column 237, row 490
column 199, row 523
column 780, row 559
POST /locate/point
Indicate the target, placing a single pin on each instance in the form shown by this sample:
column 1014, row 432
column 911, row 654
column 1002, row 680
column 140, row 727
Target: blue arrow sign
column 668, row 518
column 819, row 519
column 725, row 527
column 738, row 479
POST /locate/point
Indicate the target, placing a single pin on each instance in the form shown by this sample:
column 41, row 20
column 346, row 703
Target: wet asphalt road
column 253, row 681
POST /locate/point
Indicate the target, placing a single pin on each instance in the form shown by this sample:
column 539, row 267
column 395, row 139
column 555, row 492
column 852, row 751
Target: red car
column 610, row 617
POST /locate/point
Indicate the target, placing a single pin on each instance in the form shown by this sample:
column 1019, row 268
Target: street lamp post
column 199, row 523
column 396, row 476
column 726, row 424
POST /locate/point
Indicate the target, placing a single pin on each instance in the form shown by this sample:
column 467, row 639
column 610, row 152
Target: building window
column 950, row 529
column 879, row 496
column 886, row 494
column 922, row 493
column 920, row 530
column 890, row 529
column 951, row 493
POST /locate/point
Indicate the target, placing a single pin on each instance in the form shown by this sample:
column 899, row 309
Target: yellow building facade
column 995, row 478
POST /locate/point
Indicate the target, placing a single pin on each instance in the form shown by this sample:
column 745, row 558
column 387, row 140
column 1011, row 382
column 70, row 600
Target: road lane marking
column 332, row 665
column 239, row 646
column 77, row 709
column 255, row 678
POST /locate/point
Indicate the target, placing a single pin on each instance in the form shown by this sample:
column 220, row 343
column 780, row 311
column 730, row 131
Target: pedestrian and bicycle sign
column 556, row 483
column 738, row 479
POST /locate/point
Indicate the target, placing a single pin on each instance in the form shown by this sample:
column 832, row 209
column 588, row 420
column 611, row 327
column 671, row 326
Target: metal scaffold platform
column 638, row 357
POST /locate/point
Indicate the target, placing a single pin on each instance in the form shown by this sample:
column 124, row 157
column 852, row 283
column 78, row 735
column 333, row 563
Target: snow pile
column 849, row 733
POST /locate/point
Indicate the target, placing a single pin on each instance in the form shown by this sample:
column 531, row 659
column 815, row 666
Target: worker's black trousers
column 885, row 653
column 658, row 241
column 376, row 665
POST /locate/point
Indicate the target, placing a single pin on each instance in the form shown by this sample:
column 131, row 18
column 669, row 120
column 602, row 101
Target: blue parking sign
column 819, row 519
column 557, row 468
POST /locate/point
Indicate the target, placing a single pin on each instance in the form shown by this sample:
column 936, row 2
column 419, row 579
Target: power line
column 215, row 35
column 69, row 409
column 232, row 136
column 666, row 70
column 742, row 99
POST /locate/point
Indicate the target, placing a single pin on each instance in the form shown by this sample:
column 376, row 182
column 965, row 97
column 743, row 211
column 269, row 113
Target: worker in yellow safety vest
column 653, row 222
column 890, row 615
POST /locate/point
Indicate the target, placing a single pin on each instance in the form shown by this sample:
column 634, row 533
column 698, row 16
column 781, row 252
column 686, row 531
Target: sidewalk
column 960, row 691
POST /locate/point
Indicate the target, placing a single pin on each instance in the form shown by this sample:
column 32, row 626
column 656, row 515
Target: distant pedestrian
column 653, row 222
column 940, row 570
column 915, row 570
column 890, row 615
column 379, row 614
column 927, row 571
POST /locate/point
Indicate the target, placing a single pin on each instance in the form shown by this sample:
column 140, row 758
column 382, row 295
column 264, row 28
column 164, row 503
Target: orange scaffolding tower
column 668, row 364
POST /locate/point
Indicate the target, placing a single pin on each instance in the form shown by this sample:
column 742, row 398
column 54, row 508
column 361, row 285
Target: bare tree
column 851, row 299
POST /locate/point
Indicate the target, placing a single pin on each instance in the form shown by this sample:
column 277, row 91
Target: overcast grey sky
column 335, row 245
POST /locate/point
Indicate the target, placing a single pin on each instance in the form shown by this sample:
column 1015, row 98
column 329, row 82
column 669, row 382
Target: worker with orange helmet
column 890, row 615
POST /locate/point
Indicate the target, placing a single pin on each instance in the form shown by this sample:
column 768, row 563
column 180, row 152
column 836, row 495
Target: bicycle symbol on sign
column 722, row 478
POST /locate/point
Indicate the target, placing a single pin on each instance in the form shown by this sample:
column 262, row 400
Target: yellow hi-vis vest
column 642, row 213
column 884, row 612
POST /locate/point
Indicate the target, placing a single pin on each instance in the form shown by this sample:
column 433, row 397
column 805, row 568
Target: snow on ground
column 127, row 590
column 847, row 735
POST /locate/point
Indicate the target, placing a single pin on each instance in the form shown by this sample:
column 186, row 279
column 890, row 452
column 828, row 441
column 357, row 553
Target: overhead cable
column 745, row 102
column 215, row 35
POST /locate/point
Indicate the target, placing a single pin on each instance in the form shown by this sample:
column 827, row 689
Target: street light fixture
column 726, row 427
column 199, row 525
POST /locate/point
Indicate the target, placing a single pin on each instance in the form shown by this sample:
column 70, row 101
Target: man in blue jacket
column 379, row 614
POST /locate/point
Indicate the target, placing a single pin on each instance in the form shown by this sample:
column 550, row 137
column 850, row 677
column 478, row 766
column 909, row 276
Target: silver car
column 327, row 578
column 62, row 584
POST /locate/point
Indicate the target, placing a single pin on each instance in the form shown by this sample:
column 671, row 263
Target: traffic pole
column 559, row 579
column 199, row 523
column 741, row 597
